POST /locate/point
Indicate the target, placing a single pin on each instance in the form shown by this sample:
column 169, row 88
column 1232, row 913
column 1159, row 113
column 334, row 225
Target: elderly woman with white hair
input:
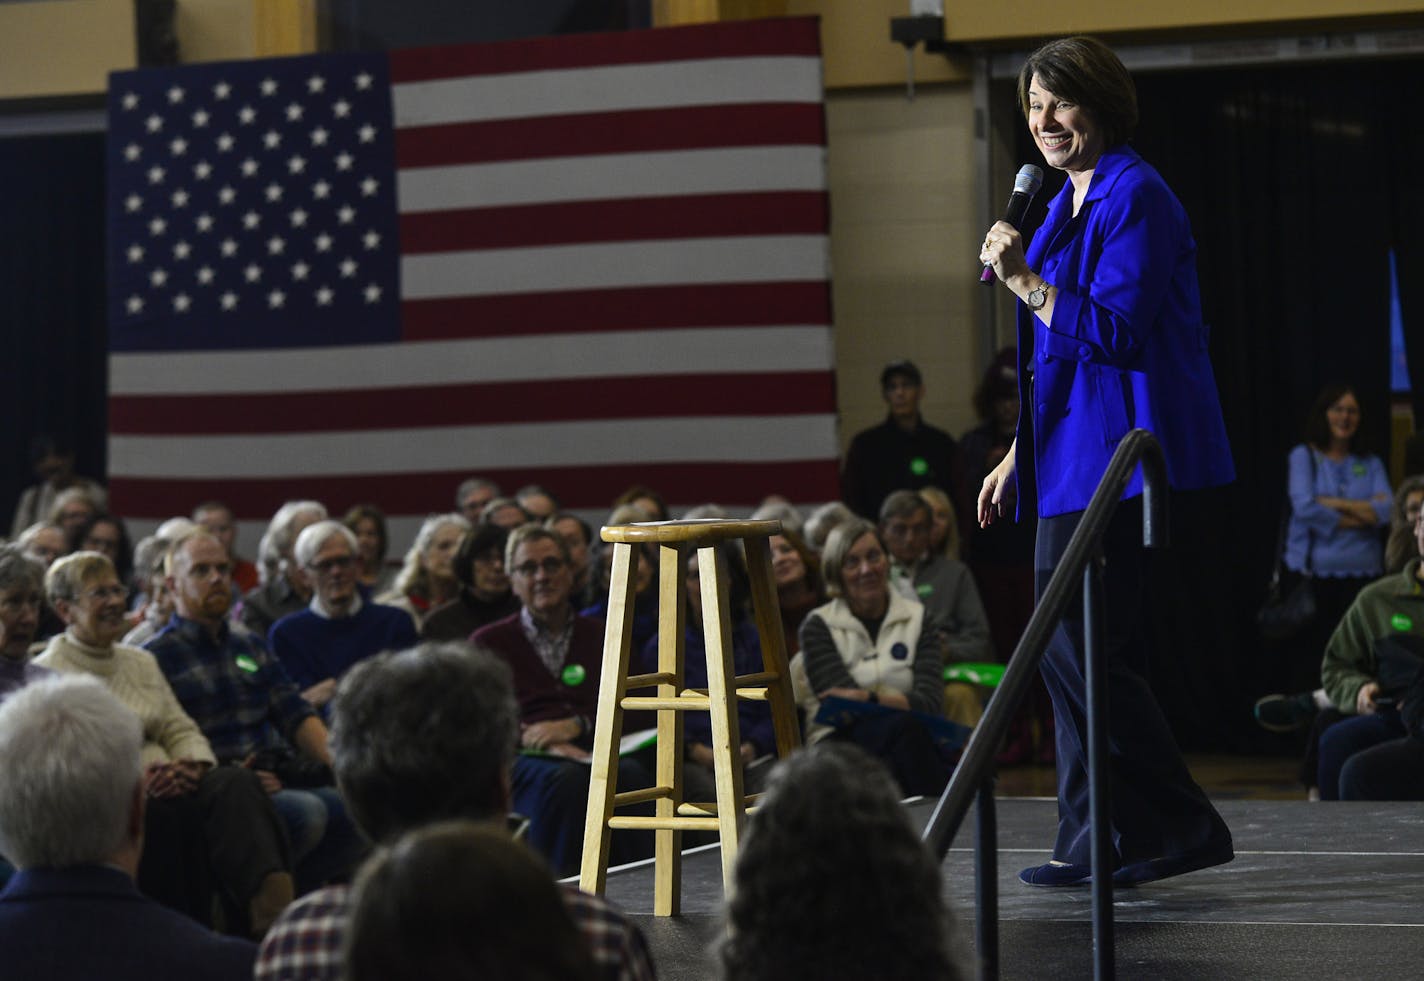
column 869, row 645
column 427, row 578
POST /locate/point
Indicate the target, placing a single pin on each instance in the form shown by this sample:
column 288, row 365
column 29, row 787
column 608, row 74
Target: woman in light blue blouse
column 1340, row 502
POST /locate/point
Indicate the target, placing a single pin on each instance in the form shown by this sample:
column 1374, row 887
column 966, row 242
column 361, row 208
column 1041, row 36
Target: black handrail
column 974, row 776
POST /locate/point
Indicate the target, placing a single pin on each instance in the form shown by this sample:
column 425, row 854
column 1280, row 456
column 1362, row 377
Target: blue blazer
column 1127, row 347
column 91, row 922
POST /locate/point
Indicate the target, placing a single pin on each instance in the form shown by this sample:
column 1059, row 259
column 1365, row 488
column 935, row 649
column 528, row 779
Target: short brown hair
column 1084, row 70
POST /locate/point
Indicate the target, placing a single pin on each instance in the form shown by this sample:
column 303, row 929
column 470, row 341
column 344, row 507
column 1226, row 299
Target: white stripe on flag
column 489, row 272
column 595, row 442
column 530, row 358
column 615, row 88
column 604, row 177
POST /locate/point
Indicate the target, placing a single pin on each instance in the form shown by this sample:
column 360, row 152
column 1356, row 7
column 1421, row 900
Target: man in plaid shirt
column 250, row 710
column 420, row 736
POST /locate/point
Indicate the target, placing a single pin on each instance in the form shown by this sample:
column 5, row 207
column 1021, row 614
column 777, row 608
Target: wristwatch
column 1037, row 296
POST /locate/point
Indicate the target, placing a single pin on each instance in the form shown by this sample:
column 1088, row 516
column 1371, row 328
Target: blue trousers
column 1157, row 808
column 1356, row 765
column 553, row 794
column 325, row 843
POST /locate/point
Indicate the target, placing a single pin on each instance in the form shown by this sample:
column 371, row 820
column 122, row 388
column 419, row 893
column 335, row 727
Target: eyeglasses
column 550, row 566
column 333, row 564
column 101, row 593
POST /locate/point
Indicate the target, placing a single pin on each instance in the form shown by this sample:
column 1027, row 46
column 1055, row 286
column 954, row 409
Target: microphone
column 1026, row 184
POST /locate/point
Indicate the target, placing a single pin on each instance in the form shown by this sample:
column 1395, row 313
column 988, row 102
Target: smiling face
column 787, row 567
column 96, row 617
column 865, row 576
column 202, row 580
column 1066, row 134
column 541, row 578
column 1343, row 418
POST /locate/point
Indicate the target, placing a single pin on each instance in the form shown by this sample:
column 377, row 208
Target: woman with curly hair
column 427, row 579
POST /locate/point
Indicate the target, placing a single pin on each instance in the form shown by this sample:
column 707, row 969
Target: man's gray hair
column 525, row 534
column 72, row 764
column 279, row 538
column 423, row 735
column 313, row 537
column 19, row 571
column 904, row 504
column 472, row 484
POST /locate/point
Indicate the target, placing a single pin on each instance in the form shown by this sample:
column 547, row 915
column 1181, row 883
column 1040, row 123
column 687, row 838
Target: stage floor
column 1316, row 891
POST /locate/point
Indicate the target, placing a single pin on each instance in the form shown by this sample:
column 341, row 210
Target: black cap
column 903, row 368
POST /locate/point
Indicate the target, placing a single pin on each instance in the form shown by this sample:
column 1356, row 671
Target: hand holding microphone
column 1026, row 184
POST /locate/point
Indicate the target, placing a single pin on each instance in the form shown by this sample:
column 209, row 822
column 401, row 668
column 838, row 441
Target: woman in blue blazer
column 1111, row 339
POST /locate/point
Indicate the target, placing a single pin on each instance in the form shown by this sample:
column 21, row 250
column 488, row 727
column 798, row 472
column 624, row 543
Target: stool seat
column 674, row 814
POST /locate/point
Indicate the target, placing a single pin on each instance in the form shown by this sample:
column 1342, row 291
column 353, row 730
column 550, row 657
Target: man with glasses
column 556, row 657
column 200, row 816
column 250, row 710
column 338, row 628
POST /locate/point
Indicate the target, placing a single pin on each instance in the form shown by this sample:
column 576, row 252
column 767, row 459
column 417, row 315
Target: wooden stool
column 673, row 814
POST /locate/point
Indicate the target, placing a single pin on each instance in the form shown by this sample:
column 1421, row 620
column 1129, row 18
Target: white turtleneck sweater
column 134, row 677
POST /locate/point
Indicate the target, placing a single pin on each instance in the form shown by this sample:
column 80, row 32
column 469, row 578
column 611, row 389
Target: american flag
column 583, row 261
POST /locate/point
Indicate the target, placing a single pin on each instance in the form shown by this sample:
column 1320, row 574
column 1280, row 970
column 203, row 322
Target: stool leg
column 773, row 647
column 608, row 726
column 726, row 734
column 672, row 627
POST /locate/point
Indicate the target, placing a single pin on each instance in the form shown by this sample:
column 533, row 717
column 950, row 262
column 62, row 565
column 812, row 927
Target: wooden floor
column 1222, row 777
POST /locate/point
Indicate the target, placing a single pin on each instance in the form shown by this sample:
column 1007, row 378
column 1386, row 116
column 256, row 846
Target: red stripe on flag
column 632, row 131
column 728, row 484
column 791, row 36
column 594, row 311
column 622, row 220
column 499, row 403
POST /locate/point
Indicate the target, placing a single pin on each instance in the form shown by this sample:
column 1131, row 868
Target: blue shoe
column 1217, row 852
column 1053, row 874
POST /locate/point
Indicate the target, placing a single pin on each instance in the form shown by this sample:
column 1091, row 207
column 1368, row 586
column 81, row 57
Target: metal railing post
column 1099, row 791
column 986, row 883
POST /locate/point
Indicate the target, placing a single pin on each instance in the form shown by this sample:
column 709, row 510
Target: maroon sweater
column 541, row 695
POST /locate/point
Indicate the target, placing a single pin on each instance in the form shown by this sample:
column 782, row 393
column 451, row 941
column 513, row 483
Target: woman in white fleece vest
column 868, row 645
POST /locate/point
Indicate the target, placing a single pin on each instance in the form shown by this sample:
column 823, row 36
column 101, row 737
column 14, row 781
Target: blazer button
column 1043, row 357
column 1043, row 408
column 1084, row 351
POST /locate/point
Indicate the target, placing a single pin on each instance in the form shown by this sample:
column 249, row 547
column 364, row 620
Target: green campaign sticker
column 924, row 589
column 246, row 663
column 573, row 675
column 919, row 467
column 1358, row 469
column 1401, row 623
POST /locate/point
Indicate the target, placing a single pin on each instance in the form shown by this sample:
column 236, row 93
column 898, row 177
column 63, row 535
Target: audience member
column 318, row 644
column 21, row 599
column 832, row 881
column 556, row 656
column 944, row 523
column 154, row 605
column 461, row 900
column 72, row 795
column 799, row 589
column 462, row 703
column 427, row 580
column 1408, row 501
column 903, row 452
column 777, row 508
column 72, row 508
column 484, row 596
column 645, row 498
column 250, row 710
column 221, row 523
column 579, row 537
column 1371, row 754
column 224, row 809
column 44, row 542
column 53, row 463
column 823, row 521
column 505, row 512
column 755, row 735
column 1339, row 500
column 870, row 644
column 105, row 534
column 284, row 589
column 537, row 502
column 954, row 616
column 473, row 496
column 368, row 523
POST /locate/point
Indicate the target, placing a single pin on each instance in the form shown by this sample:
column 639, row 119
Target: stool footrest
column 631, row 823
column 710, row 807
column 649, row 680
column 640, row 796
column 688, row 702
